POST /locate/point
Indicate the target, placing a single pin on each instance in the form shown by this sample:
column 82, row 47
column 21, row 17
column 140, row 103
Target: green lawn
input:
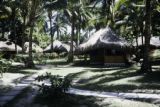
column 14, row 75
column 115, row 79
column 110, row 79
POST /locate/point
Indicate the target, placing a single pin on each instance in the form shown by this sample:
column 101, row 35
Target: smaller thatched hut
column 8, row 49
column 58, row 47
column 105, row 47
column 35, row 47
column 7, row 46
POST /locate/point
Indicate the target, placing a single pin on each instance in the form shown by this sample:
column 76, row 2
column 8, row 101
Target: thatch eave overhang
column 104, row 39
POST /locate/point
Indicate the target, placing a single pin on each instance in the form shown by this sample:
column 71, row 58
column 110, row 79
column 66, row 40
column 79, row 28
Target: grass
column 119, row 79
column 115, row 79
column 15, row 74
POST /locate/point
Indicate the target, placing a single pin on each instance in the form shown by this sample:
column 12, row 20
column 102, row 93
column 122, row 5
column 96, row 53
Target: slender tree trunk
column 79, row 31
column 70, row 57
column 57, row 27
column 77, row 35
column 146, row 65
column 51, row 33
column 32, row 20
column 3, row 32
column 14, row 28
column 58, row 36
column 23, row 33
column 30, row 59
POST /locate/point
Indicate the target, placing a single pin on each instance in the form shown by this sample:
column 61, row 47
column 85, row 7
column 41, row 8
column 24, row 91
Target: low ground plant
column 53, row 86
column 4, row 65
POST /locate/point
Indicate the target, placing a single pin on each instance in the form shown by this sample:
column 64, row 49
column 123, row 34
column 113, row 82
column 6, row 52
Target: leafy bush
column 4, row 65
column 19, row 57
column 54, row 86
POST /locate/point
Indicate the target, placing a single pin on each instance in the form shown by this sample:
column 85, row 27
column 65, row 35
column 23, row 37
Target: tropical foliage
column 73, row 20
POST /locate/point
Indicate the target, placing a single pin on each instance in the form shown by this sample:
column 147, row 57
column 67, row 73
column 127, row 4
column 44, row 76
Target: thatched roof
column 35, row 47
column 57, row 47
column 154, row 42
column 103, row 38
column 9, row 47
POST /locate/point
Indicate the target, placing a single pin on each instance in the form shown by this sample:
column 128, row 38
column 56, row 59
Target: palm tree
column 24, row 14
column 77, row 16
column 71, row 6
column 33, row 15
column 14, row 16
column 51, row 30
column 51, row 5
column 146, row 65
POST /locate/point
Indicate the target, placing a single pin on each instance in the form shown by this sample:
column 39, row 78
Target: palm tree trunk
column 70, row 56
column 30, row 59
column 3, row 32
column 51, row 33
column 78, row 31
column 146, row 65
column 23, row 34
column 15, row 36
column 57, row 27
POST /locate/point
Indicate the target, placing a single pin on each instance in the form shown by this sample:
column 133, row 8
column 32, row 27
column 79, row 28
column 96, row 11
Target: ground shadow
column 21, row 69
column 100, row 81
column 68, row 100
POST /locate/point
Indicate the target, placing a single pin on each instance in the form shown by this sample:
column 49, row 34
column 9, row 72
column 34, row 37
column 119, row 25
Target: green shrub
column 4, row 65
column 18, row 58
column 56, row 86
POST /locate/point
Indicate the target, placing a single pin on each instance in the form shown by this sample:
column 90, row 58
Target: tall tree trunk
column 3, row 32
column 14, row 28
column 146, row 65
column 23, row 33
column 57, row 27
column 70, row 57
column 78, row 31
column 77, row 34
column 51, row 33
column 30, row 59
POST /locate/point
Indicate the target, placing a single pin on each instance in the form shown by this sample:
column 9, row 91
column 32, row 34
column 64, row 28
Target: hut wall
column 102, row 56
column 114, row 59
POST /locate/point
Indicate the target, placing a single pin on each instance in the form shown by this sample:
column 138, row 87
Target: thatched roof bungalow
column 58, row 47
column 105, row 47
column 6, row 46
column 35, row 47
column 8, row 49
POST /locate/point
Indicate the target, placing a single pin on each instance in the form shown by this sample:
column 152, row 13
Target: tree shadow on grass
column 116, row 75
column 68, row 100
column 75, row 75
column 104, row 69
column 21, row 69
column 82, row 81
column 58, row 62
column 4, row 88
column 100, row 81
column 153, row 77
column 147, row 81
